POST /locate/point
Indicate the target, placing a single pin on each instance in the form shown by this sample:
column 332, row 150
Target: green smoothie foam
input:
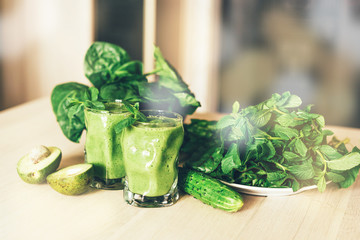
column 150, row 155
column 103, row 144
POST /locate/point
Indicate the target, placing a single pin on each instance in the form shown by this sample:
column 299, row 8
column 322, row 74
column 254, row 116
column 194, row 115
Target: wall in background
column 226, row 50
column 42, row 43
column 187, row 31
column 121, row 23
column 309, row 48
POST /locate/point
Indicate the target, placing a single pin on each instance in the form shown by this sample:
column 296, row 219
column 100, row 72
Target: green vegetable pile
column 273, row 144
column 115, row 76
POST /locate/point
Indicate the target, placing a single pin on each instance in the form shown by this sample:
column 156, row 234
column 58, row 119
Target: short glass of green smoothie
column 103, row 145
column 150, row 151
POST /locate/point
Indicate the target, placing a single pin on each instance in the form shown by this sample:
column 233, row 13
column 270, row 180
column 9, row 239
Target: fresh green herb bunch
column 115, row 76
column 273, row 144
column 91, row 100
column 135, row 115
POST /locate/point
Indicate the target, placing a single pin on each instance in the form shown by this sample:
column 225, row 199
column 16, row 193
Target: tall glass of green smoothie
column 150, row 151
column 103, row 145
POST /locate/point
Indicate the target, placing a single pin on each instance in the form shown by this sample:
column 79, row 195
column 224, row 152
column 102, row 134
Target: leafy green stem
column 135, row 115
column 153, row 72
column 345, row 141
column 315, row 126
column 323, row 160
column 281, row 166
column 278, row 111
column 268, row 138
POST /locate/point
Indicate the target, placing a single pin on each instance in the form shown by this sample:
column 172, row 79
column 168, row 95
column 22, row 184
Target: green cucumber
column 209, row 190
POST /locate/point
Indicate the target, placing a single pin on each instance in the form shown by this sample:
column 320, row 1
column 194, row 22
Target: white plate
column 262, row 191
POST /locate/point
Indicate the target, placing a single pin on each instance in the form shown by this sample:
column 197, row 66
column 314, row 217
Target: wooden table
column 38, row 212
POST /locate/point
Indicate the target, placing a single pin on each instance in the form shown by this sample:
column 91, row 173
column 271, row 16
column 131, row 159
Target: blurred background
column 226, row 50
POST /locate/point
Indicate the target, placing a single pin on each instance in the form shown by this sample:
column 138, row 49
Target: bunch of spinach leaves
column 273, row 144
column 115, row 76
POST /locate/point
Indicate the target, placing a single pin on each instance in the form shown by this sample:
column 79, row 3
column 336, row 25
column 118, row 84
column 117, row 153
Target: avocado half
column 73, row 180
column 35, row 166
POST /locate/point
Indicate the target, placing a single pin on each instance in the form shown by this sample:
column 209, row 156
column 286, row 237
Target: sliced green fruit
column 73, row 180
column 35, row 166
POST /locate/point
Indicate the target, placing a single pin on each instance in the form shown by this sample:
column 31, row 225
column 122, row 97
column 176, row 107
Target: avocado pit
column 39, row 153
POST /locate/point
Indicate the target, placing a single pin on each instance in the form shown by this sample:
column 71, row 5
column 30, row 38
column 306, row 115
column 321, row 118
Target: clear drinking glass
column 103, row 145
column 150, row 157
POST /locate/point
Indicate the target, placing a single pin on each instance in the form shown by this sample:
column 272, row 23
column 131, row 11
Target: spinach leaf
column 119, row 90
column 170, row 79
column 129, row 69
column 72, row 124
column 104, row 63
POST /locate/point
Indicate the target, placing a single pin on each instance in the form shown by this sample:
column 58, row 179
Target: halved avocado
column 35, row 166
column 73, row 180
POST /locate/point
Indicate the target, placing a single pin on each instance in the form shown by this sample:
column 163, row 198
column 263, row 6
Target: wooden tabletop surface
column 38, row 212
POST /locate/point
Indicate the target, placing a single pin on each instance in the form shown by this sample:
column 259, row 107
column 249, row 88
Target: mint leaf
column 321, row 185
column 300, row 147
column 335, row 177
column 330, row 152
column 225, row 121
column 346, row 162
column 288, row 120
column 292, row 102
column 261, row 118
column 231, row 159
column 135, row 111
column 291, row 156
column 281, row 100
column 98, row 105
column 124, row 123
column 295, row 185
column 350, row 177
column 205, row 160
column 227, row 164
column 321, row 121
column 308, row 107
column 236, row 107
column 140, row 116
column 276, row 176
column 266, row 150
column 129, row 107
column 285, row 133
column 303, row 171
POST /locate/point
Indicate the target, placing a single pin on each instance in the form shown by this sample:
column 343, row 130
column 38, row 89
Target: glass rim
column 175, row 116
column 119, row 101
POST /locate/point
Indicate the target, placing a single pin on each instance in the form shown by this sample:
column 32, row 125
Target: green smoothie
column 150, row 155
column 103, row 144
